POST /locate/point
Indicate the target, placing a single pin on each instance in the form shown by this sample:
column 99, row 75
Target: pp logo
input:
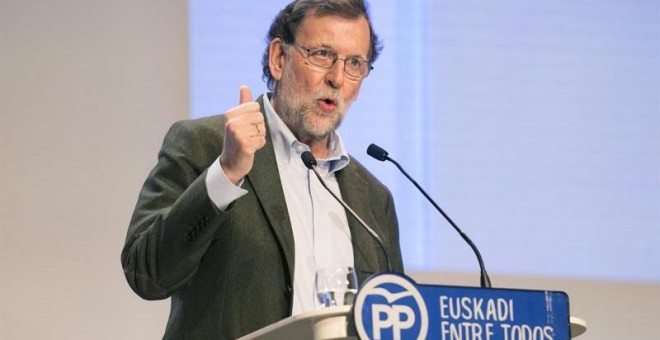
column 390, row 307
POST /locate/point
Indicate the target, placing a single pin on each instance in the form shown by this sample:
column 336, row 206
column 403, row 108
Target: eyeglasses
column 326, row 58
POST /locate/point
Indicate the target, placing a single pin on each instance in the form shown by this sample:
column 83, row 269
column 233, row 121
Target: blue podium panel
column 393, row 306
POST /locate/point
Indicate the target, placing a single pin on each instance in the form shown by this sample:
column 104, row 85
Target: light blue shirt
column 321, row 234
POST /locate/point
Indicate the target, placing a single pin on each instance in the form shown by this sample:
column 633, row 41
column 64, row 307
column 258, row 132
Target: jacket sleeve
column 174, row 220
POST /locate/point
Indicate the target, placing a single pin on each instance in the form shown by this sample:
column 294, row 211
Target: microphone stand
column 380, row 154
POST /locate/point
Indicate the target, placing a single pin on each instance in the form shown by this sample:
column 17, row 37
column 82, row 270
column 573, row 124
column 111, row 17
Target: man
column 230, row 224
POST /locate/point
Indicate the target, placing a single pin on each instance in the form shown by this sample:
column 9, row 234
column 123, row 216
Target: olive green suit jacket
column 230, row 272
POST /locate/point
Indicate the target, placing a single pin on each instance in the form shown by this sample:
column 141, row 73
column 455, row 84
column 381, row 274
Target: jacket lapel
column 355, row 192
column 265, row 179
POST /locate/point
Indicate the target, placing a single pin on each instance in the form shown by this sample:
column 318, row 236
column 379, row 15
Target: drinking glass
column 336, row 286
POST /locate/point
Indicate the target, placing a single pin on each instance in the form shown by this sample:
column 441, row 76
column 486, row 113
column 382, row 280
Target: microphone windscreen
column 377, row 152
column 308, row 159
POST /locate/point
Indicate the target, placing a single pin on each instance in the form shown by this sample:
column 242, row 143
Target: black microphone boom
column 380, row 154
column 310, row 162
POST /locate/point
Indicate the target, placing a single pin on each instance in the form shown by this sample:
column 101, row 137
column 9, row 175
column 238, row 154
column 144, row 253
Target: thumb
column 246, row 95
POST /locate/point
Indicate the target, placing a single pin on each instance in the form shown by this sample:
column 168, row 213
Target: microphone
column 380, row 154
column 310, row 162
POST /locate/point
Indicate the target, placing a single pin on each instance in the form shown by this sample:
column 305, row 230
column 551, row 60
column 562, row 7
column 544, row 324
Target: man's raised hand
column 245, row 133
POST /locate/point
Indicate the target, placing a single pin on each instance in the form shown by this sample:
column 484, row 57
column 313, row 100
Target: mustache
column 329, row 95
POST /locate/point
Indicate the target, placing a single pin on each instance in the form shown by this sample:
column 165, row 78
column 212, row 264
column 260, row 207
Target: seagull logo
column 390, row 297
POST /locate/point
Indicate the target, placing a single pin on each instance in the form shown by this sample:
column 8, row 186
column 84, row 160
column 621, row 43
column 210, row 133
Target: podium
column 336, row 323
column 327, row 323
column 393, row 306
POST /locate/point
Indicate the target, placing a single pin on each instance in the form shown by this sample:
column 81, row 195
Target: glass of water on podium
column 336, row 286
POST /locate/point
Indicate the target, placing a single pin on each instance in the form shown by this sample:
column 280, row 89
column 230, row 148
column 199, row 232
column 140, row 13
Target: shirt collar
column 288, row 148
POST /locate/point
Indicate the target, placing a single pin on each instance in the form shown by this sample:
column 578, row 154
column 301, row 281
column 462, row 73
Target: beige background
column 88, row 89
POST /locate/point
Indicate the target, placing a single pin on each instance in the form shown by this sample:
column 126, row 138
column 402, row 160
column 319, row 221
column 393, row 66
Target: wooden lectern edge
column 578, row 327
column 311, row 315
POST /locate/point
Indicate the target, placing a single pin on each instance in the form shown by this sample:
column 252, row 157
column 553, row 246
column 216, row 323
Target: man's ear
column 276, row 58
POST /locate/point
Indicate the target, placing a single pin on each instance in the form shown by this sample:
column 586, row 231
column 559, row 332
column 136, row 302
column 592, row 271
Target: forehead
column 346, row 36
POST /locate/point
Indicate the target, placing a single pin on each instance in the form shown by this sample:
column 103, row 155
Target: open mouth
column 327, row 104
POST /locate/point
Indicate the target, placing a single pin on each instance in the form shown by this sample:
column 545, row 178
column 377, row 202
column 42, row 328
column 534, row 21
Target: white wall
column 88, row 89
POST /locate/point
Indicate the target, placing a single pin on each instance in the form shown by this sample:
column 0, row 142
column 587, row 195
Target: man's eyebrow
column 328, row 47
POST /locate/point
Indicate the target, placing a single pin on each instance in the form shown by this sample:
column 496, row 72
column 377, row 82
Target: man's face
column 311, row 100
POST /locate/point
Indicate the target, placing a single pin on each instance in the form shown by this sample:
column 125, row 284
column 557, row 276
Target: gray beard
column 299, row 115
column 299, row 122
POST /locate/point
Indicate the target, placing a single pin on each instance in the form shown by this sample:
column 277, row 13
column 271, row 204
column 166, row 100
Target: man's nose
column 335, row 75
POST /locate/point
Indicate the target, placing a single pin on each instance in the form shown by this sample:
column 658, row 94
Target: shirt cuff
column 221, row 190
